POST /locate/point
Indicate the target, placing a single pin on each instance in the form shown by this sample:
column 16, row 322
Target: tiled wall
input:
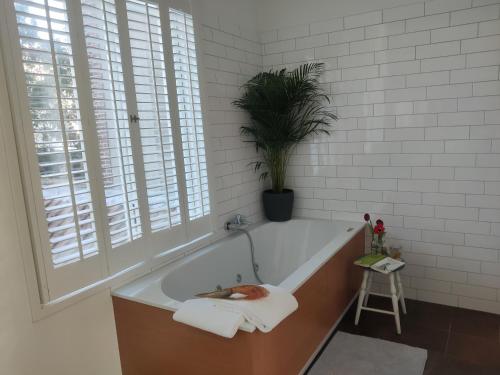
column 418, row 141
column 232, row 55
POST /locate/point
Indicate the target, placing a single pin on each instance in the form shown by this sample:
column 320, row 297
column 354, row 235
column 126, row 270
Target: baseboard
column 327, row 337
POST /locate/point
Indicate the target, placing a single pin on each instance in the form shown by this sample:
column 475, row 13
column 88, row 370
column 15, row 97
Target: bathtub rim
column 148, row 288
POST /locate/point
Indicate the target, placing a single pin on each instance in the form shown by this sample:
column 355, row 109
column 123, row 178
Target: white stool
column 396, row 295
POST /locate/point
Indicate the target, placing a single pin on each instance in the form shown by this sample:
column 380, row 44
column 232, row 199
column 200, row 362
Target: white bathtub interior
column 287, row 255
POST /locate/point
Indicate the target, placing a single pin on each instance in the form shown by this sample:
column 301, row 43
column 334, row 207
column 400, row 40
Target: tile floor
column 459, row 342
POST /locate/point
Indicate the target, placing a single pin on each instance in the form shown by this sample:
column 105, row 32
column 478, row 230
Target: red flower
column 379, row 229
column 380, row 222
column 367, row 217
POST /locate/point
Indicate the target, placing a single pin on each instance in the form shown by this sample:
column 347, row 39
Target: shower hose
column 252, row 253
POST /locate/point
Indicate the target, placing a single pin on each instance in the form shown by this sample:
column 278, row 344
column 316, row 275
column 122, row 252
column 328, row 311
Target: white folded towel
column 223, row 317
column 265, row 313
column 205, row 314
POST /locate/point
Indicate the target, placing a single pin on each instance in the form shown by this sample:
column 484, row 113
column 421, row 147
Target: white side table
column 397, row 295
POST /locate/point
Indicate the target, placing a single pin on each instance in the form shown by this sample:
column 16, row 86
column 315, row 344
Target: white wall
column 232, row 55
column 285, row 13
column 417, row 91
column 81, row 340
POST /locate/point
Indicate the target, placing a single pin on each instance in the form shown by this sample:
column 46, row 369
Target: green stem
column 277, row 161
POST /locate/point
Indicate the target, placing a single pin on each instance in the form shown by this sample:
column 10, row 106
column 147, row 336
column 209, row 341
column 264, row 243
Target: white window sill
column 42, row 311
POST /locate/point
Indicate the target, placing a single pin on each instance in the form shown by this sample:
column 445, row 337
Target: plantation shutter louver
column 108, row 124
column 190, row 113
column 111, row 115
column 150, row 82
column 65, row 205
column 57, row 129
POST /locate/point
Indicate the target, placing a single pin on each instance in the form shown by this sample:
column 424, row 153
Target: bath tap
column 236, row 223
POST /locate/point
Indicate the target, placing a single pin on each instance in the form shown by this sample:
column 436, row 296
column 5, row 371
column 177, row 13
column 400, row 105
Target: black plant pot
column 278, row 206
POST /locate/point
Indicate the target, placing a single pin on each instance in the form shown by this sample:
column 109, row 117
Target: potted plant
column 285, row 108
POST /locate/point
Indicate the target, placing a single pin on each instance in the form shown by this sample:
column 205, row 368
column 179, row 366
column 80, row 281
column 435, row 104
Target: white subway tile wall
column 417, row 92
column 231, row 56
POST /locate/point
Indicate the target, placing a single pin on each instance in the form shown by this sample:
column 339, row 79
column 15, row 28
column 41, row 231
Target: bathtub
column 310, row 258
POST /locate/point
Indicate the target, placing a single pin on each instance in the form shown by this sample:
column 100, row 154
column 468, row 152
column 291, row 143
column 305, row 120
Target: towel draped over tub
column 224, row 317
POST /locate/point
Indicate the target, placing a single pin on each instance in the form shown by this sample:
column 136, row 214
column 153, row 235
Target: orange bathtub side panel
column 151, row 343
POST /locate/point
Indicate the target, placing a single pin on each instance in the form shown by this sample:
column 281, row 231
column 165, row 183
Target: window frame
column 26, row 183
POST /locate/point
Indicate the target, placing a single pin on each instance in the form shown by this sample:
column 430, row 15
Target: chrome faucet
column 237, row 222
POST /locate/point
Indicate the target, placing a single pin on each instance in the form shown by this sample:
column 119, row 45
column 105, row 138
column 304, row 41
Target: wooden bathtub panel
column 151, row 343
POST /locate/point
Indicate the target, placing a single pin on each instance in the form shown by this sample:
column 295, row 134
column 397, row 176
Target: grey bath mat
column 348, row 354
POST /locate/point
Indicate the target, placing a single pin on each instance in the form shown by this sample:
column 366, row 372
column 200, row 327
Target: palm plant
column 285, row 108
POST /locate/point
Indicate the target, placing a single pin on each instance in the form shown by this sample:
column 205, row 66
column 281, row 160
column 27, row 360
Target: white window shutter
column 64, row 208
column 150, row 83
column 111, row 118
column 190, row 113
column 107, row 191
